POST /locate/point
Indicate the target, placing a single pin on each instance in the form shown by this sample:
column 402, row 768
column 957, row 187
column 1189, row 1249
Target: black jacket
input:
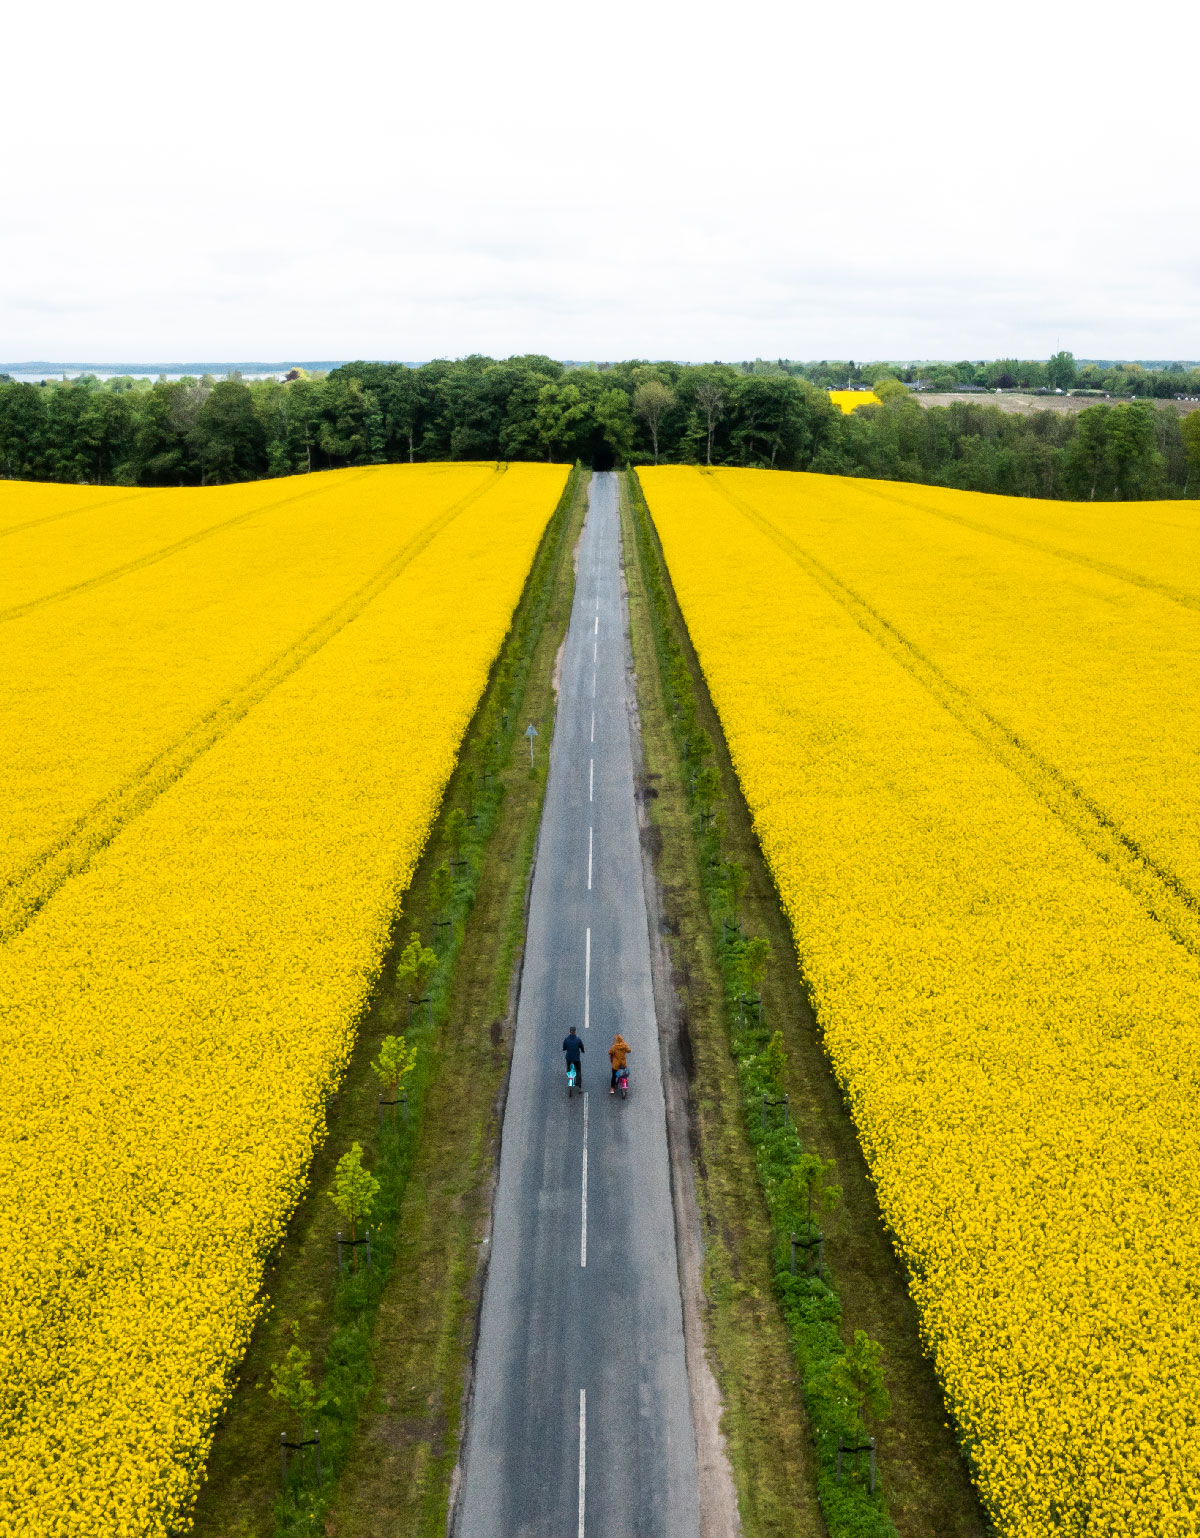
column 572, row 1046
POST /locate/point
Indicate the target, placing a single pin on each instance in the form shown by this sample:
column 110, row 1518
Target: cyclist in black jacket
column 573, row 1047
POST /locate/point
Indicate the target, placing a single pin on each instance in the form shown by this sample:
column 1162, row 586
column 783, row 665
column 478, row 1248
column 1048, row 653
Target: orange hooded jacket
column 618, row 1051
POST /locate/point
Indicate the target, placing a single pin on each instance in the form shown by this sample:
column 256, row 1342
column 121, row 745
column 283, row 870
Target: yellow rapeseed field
column 1102, row 692
column 173, row 640
column 223, row 784
column 1152, row 544
column 849, row 400
column 965, row 755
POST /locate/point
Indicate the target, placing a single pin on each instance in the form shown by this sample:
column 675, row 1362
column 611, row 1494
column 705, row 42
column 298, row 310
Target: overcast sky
column 240, row 180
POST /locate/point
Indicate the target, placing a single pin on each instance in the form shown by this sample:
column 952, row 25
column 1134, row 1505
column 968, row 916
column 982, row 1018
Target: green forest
column 206, row 431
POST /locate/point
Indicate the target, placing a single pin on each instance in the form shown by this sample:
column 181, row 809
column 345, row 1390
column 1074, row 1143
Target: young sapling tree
column 354, row 1191
column 858, row 1377
column 774, row 1061
column 697, row 748
column 441, row 888
column 397, row 1059
column 806, row 1189
column 292, row 1386
column 456, row 831
column 415, row 969
column 736, row 878
column 756, row 954
column 490, row 734
column 708, row 787
column 708, row 792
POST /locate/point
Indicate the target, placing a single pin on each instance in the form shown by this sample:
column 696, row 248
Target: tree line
column 1133, row 450
column 205, row 431
column 1061, row 373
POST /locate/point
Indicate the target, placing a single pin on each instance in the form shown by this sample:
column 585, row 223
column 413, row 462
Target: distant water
column 23, row 376
column 34, row 371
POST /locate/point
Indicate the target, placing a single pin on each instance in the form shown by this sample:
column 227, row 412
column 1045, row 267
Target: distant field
column 1021, row 403
column 850, row 400
column 966, row 728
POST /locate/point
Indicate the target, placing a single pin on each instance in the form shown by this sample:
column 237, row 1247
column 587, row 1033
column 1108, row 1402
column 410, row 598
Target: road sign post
column 531, row 732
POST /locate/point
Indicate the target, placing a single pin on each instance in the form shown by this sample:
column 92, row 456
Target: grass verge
column 924, row 1487
column 410, row 1317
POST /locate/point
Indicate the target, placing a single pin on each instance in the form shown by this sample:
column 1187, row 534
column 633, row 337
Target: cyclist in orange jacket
column 617, row 1055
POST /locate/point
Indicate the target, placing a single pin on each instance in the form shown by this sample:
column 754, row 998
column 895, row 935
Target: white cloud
column 261, row 180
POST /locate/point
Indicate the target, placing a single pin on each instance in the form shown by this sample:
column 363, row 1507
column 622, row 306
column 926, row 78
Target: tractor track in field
column 68, row 512
column 1167, row 899
column 37, row 882
column 1177, row 595
column 152, row 557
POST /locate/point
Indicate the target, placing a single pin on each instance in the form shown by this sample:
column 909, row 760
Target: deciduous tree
column 859, row 1377
column 807, row 1189
column 416, row 967
column 292, row 1386
column 710, row 400
column 652, row 400
column 354, row 1191
column 397, row 1059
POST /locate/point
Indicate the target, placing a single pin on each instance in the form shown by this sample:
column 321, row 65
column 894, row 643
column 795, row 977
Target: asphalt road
column 580, row 1420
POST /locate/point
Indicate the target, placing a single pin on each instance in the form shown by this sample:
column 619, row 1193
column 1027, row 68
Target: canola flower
column 849, row 400
column 57, row 543
column 1151, row 544
column 171, row 1017
column 172, row 631
column 22, row 507
column 1014, row 1020
column 1101, row 692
